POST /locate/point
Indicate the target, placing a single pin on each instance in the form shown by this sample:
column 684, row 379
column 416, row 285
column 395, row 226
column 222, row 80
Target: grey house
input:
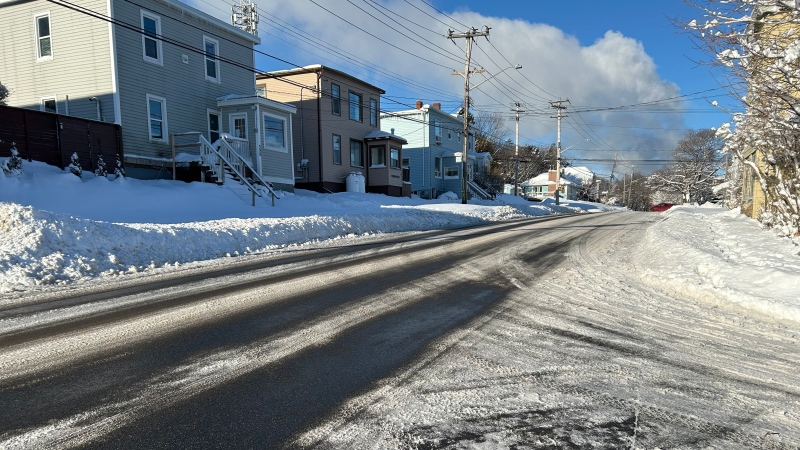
column 434, row 149
column 155, row 67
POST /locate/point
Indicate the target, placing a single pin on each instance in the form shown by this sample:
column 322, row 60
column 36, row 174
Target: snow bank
column 723, row 257
column 56, row 227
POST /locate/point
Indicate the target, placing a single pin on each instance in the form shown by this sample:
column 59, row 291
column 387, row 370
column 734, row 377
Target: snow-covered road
column 539, row 334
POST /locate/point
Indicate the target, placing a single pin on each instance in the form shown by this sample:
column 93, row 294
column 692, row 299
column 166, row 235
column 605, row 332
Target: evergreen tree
column 119, row 171
column 101, row 170
column 4, row 93
column 75, row 165
column 12, row 165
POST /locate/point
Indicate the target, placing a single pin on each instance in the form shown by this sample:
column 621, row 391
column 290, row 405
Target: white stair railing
column 217, row 157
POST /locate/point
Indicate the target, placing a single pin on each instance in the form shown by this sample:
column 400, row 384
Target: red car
column 661, row 207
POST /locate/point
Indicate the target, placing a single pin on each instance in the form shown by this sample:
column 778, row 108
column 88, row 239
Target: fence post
column 172, row 140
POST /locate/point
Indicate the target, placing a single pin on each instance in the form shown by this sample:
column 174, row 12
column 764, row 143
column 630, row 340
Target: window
column 406, row 170
column 394, row 158
column 48, row 104
column 337, row 149
column 451, row 172
column 212, row 59
column 355, row 107
column 437, row 167
column 336, row 99
column 261, row 92
column 373, row 112
column 377, row 156
column 356, row 158
column 157, row 116
column 274, row 132
column 239, row 125
column 437, row 131
column 44, row 41
column 151, row 45
column 214, row 119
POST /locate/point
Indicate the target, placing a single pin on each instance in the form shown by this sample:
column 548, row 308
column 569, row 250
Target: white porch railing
column 231, row 154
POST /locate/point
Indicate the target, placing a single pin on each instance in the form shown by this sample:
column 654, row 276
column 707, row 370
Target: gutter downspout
column 319, row 126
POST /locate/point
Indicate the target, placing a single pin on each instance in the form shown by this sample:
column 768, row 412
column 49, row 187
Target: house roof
column 315, row 68
column 238, row 100
column 378, row 134
column 483, row 155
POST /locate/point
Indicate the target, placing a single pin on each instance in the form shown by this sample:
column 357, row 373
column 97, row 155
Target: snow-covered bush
column 119, row 171
column 101, row 170
column 75, row 165
column 12, row 165
column 4, row 93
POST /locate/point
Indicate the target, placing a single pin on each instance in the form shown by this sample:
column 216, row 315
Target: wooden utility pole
column 558, row 105
column 517, row 109
column 469, row 36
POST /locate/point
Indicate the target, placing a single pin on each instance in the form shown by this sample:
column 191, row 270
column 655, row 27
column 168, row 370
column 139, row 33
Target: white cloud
column 614, row 70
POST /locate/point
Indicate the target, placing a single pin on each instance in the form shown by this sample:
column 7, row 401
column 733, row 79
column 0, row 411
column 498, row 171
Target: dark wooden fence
column 53, row 138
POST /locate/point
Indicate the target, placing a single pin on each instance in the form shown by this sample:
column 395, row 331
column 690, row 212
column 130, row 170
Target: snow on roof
column 380, row 134
column 582, row 173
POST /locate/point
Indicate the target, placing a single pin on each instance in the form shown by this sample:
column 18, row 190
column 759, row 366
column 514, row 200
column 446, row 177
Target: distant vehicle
column 661, row 207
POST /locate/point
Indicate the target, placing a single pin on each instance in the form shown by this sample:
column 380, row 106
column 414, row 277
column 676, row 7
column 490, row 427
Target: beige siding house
column 337, row 130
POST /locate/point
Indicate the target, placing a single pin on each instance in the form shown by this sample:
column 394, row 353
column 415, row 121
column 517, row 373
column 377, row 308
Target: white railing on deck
column 233, row 153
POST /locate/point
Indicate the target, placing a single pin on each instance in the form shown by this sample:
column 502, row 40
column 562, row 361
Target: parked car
column 661, row 207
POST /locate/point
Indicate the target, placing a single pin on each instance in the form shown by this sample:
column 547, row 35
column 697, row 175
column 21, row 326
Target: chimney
column 437, row 106
column 419, row 104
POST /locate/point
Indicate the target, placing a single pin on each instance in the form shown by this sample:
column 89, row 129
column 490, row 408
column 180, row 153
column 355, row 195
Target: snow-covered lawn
column 56, row 228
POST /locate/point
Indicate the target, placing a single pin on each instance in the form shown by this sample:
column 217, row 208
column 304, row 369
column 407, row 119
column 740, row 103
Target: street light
column 465, row 112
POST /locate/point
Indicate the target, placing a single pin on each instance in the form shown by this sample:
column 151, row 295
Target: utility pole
column 630, row 191
column 557, row 104
column 469, row 36
column 517, row 106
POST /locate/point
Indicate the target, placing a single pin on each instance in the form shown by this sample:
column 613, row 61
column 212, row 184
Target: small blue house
column 434, row 149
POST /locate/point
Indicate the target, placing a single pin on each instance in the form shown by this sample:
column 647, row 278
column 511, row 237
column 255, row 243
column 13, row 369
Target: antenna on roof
column 244, row 15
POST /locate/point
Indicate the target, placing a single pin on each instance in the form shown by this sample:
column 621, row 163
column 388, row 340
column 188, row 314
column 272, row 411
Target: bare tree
column 755, row 43
column 693, row 173
column 491, row 132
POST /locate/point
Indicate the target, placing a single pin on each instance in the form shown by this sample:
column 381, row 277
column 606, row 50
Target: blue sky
column 599, row 55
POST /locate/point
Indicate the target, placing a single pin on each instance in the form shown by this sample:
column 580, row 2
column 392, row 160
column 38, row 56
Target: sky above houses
column 635, row 81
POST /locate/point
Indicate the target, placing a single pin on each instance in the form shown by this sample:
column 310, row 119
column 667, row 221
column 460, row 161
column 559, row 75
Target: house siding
column 305, row 128
column 187, row 92
column 80, row 48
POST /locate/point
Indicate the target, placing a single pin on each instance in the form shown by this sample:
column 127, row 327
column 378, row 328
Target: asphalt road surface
column 530, row 334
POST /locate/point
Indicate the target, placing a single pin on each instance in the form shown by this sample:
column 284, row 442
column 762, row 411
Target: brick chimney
column 419, row 104
column 437, row 106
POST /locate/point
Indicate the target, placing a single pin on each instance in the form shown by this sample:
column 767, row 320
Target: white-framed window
column 157, row 118
column 437, row 167
column 355, row 106
column 275, row 132
column 336, row 100
column 238, row 125
column 356, row 157
column 373, row 112
column 337, row 149
column 214, row 121
column 451, row 172
column 437, row 131
column 151, row 34
column 377, row 156
column 394, row 158
column 44, row 38
column 48, row 104
column 211, row 56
